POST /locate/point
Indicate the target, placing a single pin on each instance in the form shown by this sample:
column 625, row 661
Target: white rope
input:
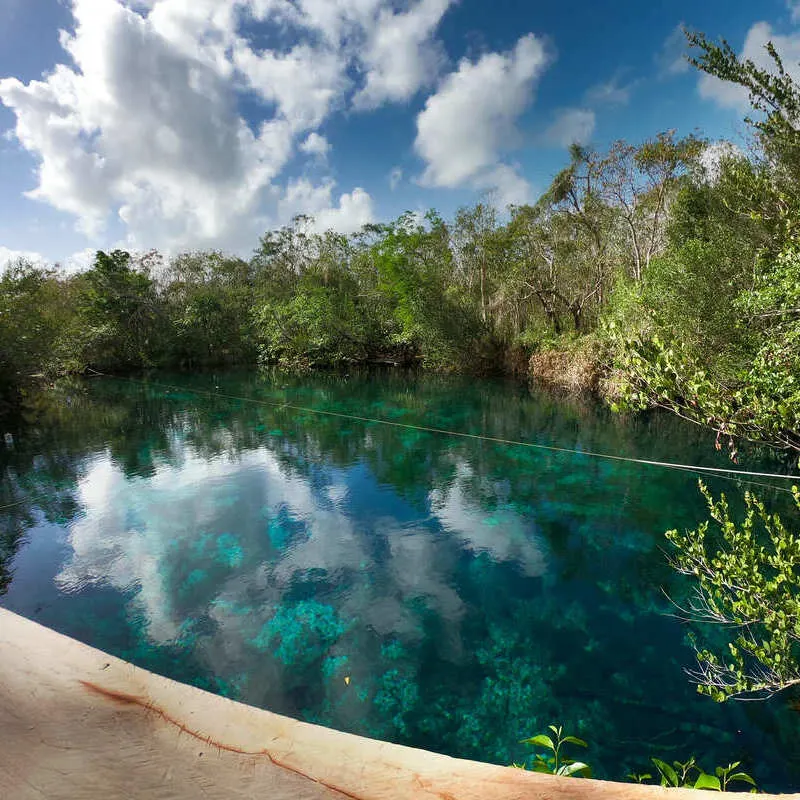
column 726, row 473
column 479, row 436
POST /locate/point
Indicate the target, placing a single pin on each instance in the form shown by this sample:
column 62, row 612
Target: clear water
column 436, row 591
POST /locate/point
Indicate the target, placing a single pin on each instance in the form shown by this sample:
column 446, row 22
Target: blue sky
column 200, row 123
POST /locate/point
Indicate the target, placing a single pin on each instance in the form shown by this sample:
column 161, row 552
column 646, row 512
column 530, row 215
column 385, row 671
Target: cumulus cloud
column 713, row 156
column 571, row 126
column 401, row 55
column 729, row 95
column 316, row 145
column 304, row 83
column 8, row 257
column 143, row 122
column 78, row 262
column 471, row 118
column 353, row 211
column 137, row 127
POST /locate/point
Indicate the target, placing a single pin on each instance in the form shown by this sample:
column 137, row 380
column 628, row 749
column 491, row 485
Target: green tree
column 119, row 320
column 415, row 268
column 208, row 298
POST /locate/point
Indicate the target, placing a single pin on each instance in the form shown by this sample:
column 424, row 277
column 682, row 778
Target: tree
column 119, row 314
column 564, row 244
column 775, row 98
column 34, row 307
column 416, row 272
column 640, row 182
column 718, row 334
column 208, row 297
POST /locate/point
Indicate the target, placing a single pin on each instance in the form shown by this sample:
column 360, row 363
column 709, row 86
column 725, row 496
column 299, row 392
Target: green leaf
column 742, row 776
column 576, row 768
column 709, row 782
column 574, row 740
column 668, row 775
column 540, row 740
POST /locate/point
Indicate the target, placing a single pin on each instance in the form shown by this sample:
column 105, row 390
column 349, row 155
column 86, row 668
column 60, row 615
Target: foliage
column 748, row 581
column 775, row 98
column 690, row 775
column 677, row 273
column 117, row 314
column 33, row 309
column 712, row 332
column 208, row 299
column 414, row 265
column 555, row 763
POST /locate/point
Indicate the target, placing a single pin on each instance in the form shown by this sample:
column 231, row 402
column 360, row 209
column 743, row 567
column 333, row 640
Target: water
column 435, row 591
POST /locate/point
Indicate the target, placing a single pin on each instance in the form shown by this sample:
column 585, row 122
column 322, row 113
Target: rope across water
column 725, row 473
column 477, row 436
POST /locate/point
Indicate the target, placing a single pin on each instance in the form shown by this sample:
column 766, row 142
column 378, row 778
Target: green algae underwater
column 441, row 592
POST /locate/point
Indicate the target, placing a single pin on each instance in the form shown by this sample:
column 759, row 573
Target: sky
column 185, row 124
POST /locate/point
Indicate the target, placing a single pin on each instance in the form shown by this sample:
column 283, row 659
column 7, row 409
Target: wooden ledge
column 77, row 723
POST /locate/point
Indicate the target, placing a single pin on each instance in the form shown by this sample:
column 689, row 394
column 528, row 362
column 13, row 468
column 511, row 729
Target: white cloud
column 609, row 93
column 354, row 209
column 138, row 128
column 471, row 119
column 571, row 126
column 729, row 95
column 395, row 176
column 316, row 145
column 505, row 186
column 79, row 262
column 671, row 59
column 142, row 120
column 401, row 55
column 304, row 83
column 794, row 9
column 201, row 30
column 9, row 257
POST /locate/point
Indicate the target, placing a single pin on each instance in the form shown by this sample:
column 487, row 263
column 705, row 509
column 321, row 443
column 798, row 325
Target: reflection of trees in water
column 250, row 562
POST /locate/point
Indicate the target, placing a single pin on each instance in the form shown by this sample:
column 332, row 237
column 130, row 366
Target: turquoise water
column 442, row 592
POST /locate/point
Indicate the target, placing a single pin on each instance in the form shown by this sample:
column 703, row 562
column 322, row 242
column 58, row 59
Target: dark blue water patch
column 441, row 592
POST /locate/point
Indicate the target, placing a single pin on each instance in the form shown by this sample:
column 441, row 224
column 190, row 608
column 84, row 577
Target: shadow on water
column 436, row 591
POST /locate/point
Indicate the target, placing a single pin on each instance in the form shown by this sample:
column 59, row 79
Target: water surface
column 437, row 591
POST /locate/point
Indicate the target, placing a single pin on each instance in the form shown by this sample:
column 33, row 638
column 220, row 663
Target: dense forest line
column 660, row 274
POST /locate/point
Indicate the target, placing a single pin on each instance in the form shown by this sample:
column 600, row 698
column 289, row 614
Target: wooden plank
column 78, row 723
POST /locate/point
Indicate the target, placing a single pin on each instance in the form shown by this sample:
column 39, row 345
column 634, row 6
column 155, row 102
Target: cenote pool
column 436, row 591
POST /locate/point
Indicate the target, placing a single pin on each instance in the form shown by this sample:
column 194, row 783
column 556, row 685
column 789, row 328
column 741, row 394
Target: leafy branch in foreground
column 748, row 582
